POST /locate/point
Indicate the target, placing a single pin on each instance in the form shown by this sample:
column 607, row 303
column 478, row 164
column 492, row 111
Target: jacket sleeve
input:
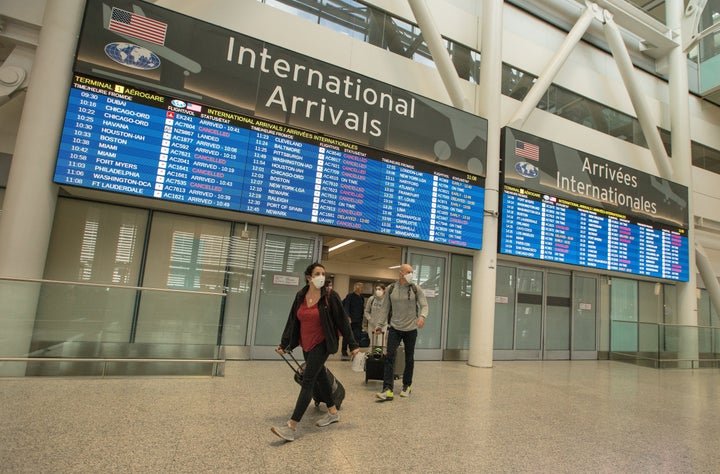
column 368, row 309
column 340, row 318
column 346, row 304
column 289, row 339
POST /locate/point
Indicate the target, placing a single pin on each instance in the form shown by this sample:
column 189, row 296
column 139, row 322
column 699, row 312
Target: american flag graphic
column 527, row 150
column 138, row 26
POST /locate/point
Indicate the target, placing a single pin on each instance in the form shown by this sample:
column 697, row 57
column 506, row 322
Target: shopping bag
column 358, row 363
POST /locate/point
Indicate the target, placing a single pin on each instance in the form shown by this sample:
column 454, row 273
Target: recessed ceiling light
column 343, row 244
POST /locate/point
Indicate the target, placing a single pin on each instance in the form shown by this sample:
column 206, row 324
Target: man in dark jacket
column 354, row 304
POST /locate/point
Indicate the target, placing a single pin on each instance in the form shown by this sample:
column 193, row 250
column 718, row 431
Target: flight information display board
column 564, row 206
column 121, row 139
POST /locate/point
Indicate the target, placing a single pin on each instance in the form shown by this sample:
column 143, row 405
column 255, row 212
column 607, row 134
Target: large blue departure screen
column 128, row 141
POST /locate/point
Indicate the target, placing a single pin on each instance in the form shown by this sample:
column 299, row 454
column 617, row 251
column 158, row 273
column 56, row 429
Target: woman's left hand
column 355, row 352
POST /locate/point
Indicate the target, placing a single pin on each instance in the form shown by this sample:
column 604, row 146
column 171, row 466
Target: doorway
column 545, row 314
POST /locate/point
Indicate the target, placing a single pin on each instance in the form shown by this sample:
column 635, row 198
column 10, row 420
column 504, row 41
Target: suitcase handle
column 375, row 338
column 297, row 370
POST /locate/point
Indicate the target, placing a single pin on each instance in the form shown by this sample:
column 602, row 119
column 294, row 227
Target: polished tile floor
column 546, row 417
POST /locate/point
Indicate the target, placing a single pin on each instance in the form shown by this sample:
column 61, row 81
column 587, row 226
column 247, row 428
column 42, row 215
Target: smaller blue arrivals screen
column 128, row 141
column 547, row 228
column 560, row 204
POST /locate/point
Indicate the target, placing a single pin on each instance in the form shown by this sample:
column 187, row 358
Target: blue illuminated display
column 159, row 147
column 639, row 228
column 547, row 228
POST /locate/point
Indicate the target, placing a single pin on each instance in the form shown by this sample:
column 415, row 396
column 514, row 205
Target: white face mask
column 318, row 281
column 409, row 277
column 379, row 293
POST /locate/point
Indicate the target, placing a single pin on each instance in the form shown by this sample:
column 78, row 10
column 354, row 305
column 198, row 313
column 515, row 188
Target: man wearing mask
column 404, row 309
column 354, row 304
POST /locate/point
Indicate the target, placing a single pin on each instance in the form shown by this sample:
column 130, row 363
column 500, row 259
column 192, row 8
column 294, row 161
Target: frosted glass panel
column 557, row 319
column 284, row 261
column 528, row 328
column 585, row 307
column 458, row 328
column 430, row 276
column 91, row 243
column 184, row 253
column 504, row 308
column 241, row 265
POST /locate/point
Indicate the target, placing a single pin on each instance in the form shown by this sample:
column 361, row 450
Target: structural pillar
column 30, row 197
column 482, row 305
column 682, row 164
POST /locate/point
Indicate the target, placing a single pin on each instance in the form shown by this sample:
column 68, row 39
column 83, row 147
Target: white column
column 544, row 80
column 30, row 197
column 440, row 55
column 637, row 97
column 682, row 163
column 482, row 306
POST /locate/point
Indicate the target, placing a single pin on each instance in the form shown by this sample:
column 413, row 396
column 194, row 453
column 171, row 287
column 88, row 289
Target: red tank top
column 311, row 331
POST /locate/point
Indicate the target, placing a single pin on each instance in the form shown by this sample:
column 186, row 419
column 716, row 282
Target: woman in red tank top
column 316, row 317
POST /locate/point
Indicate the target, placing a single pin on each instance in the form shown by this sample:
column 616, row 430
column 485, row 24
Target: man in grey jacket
column 404, row 309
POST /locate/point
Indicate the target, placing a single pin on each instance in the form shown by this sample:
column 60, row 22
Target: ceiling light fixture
column 343, row 244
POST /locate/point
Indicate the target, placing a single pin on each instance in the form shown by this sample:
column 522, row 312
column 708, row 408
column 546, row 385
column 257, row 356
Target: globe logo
column 527, row 170
column 132, row 55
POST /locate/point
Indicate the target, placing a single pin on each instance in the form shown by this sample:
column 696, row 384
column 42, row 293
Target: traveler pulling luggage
column 338, row 390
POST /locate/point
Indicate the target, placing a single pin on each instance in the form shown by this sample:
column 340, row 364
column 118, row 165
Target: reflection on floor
column 553, row 416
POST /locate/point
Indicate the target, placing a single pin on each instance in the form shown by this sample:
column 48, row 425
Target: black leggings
column 314, row 375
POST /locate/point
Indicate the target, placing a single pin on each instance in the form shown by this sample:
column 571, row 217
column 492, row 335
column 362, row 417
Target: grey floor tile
column 545, row 417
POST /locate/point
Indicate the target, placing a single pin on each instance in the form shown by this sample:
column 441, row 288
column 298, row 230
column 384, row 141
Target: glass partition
column 458, row 326
column 92, row 337
column 430, row 278
column 187, row 253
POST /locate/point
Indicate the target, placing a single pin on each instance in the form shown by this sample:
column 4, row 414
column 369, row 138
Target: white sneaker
column 328, row 419
column 285, row 432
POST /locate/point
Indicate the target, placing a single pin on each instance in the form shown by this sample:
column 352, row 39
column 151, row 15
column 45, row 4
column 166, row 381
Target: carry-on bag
column 338, row 391
column 358, row 362
column 375, row 359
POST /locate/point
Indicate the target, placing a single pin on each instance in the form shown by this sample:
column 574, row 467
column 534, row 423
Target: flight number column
column 440, row 209
column 327, row 186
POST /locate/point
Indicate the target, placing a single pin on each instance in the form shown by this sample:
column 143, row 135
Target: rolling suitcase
column 338, row 391
column 375, row 360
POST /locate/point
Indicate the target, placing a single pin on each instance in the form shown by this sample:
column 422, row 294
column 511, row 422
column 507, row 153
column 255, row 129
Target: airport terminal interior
column 550, row 170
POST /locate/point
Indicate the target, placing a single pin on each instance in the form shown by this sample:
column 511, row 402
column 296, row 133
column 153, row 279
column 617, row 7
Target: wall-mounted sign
column 562, row 205
column 166, row 148
column 170, row 107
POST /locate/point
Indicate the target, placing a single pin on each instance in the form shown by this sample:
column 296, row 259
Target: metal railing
column 664, row 345
column 61, row 328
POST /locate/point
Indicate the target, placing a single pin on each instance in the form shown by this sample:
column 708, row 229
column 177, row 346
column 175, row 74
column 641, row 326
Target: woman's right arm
column 289, row 326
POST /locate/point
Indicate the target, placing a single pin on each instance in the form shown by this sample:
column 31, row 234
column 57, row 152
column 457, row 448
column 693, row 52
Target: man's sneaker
column 385, row 395
column 406, row 391
column 285, row 432
column 328, row 419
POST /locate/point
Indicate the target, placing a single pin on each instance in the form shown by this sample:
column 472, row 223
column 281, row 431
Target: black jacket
column 332, row 318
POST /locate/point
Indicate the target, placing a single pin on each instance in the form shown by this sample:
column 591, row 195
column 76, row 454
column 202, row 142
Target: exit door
column 543, row 314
